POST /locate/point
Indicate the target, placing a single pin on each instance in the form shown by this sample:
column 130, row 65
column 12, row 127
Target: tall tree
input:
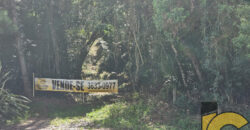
column 53, row 36
column 20, row 51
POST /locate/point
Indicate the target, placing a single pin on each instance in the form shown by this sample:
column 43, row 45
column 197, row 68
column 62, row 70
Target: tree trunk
column 181, row 69
column 83, row 53
column 174, row 94
column 179, row 65
column 192, row 5
column 20, row 51
column 195, row 63
column 53, row 37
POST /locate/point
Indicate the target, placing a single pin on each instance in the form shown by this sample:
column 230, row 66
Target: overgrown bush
column 11, row 105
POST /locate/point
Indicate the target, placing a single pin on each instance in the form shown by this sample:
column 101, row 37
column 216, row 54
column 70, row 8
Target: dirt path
column 31, row 124
column 44, row 124
column 56, row 108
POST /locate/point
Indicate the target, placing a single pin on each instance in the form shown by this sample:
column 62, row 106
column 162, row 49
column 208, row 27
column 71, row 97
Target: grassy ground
column 129, row 112
column 112, row 112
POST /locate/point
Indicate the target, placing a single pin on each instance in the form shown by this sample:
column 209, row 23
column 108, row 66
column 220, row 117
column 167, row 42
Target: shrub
column 12, row 105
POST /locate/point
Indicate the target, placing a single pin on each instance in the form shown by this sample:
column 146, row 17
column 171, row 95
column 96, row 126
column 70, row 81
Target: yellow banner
column 86, row 86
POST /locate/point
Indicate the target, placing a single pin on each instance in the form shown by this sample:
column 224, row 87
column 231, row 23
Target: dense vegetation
column 179, row 52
